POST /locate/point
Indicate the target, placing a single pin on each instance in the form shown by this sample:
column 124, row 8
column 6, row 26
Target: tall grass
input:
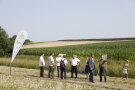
column 114, row 67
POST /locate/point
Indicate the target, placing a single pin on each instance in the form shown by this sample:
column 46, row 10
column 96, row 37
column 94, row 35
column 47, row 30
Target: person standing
column 91, row 67
column 87, row 69
column 63, row 64
column 102, row 68
column 58, row 60
column 51, row 66
column 125, row 69
column 87, row 66
column 41, row 64
column 74, row 65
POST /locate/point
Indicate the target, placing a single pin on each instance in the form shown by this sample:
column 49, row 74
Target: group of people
column 90, row 67
column 61, row 63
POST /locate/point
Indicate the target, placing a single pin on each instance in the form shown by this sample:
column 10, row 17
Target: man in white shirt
column 51, row 66
column 41, row 64
column 74, row 63
column 58, row 59
column 63, row 64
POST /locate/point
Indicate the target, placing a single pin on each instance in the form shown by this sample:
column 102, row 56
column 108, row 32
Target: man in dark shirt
column 91, row 69
column 102, row 69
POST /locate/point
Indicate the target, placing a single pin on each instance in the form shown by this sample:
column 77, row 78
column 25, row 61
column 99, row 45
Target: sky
column 50, row 20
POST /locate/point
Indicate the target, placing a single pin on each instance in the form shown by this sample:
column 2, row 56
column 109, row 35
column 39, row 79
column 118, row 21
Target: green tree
column 6, row 44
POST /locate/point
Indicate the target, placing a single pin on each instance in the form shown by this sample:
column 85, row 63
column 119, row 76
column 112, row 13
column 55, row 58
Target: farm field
column 116, row 50
column 26, row 67
column 59, row 43
column 28, row 79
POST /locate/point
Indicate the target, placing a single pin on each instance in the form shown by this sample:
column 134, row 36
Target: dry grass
column 28, row 79
column 60, row 43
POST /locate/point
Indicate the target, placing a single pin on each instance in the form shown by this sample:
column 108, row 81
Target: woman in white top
column 58, row 59
column 74, row 63
column 41, row 64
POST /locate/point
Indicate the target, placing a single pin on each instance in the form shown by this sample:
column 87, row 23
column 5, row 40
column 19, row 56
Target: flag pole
column 10, row 67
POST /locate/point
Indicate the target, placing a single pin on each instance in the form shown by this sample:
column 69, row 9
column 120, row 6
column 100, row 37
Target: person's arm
column 86, row 62
column 41, row 61
column 78, row 62
column 70, row 61
column 52, row 61
column 66, row 62
column 57, row 61
column 44, row 61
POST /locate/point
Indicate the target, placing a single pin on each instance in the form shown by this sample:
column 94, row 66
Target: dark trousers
column 91, row 76
column 63, row 71
column 58, row 71
column 51, row 72
column 102, row 72
column 41, row 71
column 74, row 70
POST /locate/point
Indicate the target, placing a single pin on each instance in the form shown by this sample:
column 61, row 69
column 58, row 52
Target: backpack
column 91, row 64
column 62, row 64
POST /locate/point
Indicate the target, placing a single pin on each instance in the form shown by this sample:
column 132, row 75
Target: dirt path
column 28, row 79
column 60, row 43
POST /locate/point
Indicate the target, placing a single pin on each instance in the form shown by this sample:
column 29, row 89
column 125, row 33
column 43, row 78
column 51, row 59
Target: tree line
column 6, row 43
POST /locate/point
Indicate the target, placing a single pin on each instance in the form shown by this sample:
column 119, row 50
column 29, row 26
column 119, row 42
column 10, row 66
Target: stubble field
column 28, row 79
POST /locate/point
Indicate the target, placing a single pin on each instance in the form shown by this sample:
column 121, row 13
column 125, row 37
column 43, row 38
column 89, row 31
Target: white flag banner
column 19, row 41
column 105, row 57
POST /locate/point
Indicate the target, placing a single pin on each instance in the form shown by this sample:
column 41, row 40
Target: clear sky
column 49, row 20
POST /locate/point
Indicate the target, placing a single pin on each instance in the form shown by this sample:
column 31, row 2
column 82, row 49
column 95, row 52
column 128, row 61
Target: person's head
column 59, row 55
column 74, row 56
column 91, row 56
column 42, row 54
column 64, row 56
column 102, row 57
column 127, row 61
column 52, row 54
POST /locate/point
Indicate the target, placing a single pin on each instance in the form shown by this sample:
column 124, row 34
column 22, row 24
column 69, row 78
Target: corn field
column 115, row 50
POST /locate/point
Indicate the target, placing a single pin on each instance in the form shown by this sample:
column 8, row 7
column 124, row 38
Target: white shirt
column 74, row 62
column 58, row 59
column 41, row 61
column 51, row 61
column 125, row 70
column 65, row 61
